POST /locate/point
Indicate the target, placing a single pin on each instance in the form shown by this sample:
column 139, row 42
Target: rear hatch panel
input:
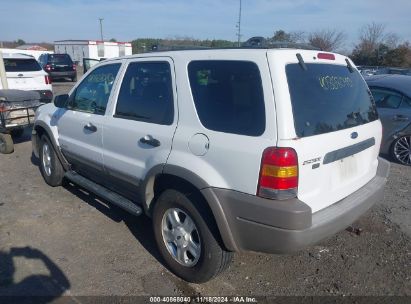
column 326, row 114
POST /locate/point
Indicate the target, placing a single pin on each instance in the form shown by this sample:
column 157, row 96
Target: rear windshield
column 60, row 59
column 228, row 96
column 21, row 65
column 327, row 98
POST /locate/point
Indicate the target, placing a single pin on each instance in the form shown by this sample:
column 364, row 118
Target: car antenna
column 349, row 65
column 301, row 62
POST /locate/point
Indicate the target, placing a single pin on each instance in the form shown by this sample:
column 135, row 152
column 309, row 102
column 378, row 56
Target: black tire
column 54, row 176
column 17, row 132
column 213, row 258
column 6, row 144
column 399, row 149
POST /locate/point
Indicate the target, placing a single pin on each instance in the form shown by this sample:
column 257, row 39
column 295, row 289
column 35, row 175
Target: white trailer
column 94, row 49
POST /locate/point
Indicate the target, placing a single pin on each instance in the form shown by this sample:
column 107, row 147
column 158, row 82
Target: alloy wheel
column 402, row 150
column 181, row 237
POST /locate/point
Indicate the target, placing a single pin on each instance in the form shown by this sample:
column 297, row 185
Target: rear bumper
column 262, row 225
column 63, row 74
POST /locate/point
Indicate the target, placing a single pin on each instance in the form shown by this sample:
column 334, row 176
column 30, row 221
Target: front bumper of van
column 257, row 224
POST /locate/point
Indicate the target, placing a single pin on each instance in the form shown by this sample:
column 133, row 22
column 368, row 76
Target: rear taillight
column 278, row 173
column 2, row 107
column 47, row 79
column 326, row 56
column 74, row 67
column 47, row 67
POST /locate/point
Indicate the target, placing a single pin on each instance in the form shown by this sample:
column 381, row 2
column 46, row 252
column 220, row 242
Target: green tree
column 20, row 42
column 399, row 57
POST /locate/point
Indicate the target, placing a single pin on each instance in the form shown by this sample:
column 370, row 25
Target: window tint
column 228, row 96
column 146, row 93
column 327, row 98
column 406, row 103
column 386, row 98
column 21, row 65
column 93, row 92
column 60, row 59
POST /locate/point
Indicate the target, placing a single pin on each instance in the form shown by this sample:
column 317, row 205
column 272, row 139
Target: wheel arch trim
column 147, row 197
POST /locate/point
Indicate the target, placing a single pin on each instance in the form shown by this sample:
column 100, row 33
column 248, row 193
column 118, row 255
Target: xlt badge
column 310, row 161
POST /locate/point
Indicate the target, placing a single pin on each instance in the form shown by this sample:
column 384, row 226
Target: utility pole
column 101, row 28
column 239, row 26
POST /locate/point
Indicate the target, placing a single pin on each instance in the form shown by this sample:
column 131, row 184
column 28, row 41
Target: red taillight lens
column 47, row 79
column 278, row 173
column 326, row 56
column 47, row 67
column 74, row 67
column 2, row 107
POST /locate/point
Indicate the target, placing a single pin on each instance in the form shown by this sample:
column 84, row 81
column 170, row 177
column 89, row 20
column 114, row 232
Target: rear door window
column 228, row 96
column 21, row 65
column 326, row 98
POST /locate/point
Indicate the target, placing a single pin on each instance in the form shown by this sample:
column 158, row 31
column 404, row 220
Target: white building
column 79, row 49
column 36, row 54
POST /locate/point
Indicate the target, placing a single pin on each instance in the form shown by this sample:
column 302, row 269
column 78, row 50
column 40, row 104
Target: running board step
column 103, row 192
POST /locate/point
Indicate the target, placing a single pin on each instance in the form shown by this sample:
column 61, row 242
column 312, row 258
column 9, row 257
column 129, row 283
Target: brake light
column 2, row 107
column 47, row 67
column 326, row 56
column 278, row 173
column 47, row 79
column 74, row 67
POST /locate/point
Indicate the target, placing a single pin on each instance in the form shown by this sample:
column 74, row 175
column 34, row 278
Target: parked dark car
column 392, row 95
column 59, row 66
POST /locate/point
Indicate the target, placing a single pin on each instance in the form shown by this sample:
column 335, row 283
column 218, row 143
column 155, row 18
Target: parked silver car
column 392, row 95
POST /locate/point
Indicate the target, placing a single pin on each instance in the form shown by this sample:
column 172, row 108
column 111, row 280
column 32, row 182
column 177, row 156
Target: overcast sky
column 125, row 20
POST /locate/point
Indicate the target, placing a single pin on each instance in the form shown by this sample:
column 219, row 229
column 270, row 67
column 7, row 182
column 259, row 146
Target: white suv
column 229, row 150
column 23, row 72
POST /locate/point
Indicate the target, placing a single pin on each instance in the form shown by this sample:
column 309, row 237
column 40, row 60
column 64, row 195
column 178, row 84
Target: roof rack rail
column 162, row 48
column 263, row 43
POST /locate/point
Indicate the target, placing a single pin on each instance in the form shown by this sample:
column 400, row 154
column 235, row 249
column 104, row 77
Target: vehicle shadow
column 26, row 136
column 140, row 227
column 45, row 288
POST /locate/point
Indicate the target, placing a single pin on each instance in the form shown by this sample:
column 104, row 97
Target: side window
column 146, row 93
column 386, row 98
column 406, row 103
column 228, row 96
column 93, row 92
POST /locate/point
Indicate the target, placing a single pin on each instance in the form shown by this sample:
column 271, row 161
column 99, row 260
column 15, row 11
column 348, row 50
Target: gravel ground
column 63, row 241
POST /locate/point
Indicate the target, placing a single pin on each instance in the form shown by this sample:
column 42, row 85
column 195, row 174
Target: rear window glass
column 228, row 96
column 60, row 59
column 21, row 65
column 327, row 98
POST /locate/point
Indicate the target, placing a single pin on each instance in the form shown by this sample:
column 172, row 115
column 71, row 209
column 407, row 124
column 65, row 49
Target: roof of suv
column 17, row 56
column 400, row 83
column 245, row 50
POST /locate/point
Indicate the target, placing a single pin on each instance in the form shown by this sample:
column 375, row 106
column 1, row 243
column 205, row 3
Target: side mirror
column 60, row 101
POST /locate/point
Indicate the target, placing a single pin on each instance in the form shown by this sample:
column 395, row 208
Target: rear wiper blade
column 349, row 66
column 301, row 62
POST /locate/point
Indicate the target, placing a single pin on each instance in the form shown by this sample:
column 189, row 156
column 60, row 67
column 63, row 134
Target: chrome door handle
column 90, row 127
column 149, row 140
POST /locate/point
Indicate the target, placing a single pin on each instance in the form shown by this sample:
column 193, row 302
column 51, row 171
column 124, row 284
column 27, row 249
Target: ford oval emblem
column 354, row 135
